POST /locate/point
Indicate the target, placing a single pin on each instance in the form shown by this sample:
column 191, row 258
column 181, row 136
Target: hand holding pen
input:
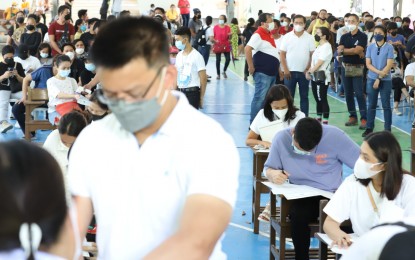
column 277, row 176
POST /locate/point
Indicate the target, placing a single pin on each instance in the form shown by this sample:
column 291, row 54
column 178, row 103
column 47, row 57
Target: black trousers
column 227, row 61
column 193, row 97
column 398, row 85
column 320, row 95
column 19, row 111
column 303, row 212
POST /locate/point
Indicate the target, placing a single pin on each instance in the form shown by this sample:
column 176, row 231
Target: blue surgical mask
column 135, row 116
column 298, row 151
column 90, row 66
column 221, row 22
column 64, row 73
column 83, row 28
column 379, row 37
column 180, row 45
column 399, row 24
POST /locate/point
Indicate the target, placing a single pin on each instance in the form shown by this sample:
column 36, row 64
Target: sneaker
column 362, row 124
column 325, row 122
column 5, row 126
column 397, row 112
column 352, row 121
column 366, row 132
column 224, row 75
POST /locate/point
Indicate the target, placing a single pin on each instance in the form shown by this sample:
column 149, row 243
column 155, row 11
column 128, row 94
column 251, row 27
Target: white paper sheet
column 292, row 191
column 335, row 248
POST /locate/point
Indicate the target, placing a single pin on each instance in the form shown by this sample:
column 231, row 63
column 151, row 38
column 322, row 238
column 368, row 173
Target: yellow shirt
column 11, row 12
column 25, row 5
column 172, row 15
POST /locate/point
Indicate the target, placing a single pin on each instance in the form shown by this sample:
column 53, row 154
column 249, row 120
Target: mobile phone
column 10, row 69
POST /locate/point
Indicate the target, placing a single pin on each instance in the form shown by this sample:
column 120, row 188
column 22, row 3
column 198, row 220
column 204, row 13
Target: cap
column 196, row 10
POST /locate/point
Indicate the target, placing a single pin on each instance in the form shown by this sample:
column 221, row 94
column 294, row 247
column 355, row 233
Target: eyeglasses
column 107, row 97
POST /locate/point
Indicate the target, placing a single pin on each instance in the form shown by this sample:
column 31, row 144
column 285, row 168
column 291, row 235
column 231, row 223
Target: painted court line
column 260, row 233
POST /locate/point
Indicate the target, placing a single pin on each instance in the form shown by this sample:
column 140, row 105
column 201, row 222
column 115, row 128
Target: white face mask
column 44, row 55
column 298, row 28
column 79, row 51
column 280, row 113
column 271, row 26
column 284, row 24
column 363, row 170
column 346, row 24
column 351, row 27
column 71, row 55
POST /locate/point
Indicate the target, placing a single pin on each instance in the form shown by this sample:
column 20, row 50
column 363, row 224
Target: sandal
column 218, row 77
column 224, row 75
column 265, row 215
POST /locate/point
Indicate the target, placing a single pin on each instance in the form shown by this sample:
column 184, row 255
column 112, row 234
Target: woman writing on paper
column 378, row 191
column 278, row 106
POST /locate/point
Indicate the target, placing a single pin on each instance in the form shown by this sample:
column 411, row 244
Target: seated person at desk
column 378, row 191
column 278, row 105
column 310, row 154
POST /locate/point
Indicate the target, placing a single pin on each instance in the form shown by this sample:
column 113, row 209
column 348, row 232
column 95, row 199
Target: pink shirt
column 221, row 34
column 184, row 10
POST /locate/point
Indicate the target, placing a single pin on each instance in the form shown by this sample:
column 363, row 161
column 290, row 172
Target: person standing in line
column 296, row 50
column 351, row 50
column 247, row 34
column 148, row 137
column 195, row 25
column 184, row 7
column 261, row 55
column 221, row 33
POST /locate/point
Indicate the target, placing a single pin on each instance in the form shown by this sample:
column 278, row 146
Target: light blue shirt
column 379, row 57
column 323, row 168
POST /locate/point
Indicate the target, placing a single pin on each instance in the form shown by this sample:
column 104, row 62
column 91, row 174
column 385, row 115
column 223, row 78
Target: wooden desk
column 260, row 156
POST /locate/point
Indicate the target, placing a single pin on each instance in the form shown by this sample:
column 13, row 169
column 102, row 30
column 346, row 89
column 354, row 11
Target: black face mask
column 20, row 20
column 9, row 62
column 97, row 117
column 336, row 27
column 68, row 17
column 317, row 38
column 405, row 26
column 30, row 27
column 394, row 33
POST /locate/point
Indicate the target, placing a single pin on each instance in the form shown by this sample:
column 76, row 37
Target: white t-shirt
column 370, row 245
column 298, row 50
column 278, row 43
column 138, row 192
column 351, row 201
column 56, row 86
column 323, row 52
column 59, row 151
column 31, row 63
column 188, row 67
column 410, row 69
column 260, row 120
column 209, row 33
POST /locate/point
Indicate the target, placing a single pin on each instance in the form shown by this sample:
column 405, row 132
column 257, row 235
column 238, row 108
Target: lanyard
column 372, row 201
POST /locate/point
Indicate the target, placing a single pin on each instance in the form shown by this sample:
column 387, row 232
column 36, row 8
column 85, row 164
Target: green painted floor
column 339, row 116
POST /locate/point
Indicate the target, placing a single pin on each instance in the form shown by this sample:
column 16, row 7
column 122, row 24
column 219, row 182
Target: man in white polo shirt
column 191, row 68
column 296, row 50
column 165, row 176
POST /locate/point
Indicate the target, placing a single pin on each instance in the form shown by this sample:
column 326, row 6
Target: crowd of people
column 89, row 69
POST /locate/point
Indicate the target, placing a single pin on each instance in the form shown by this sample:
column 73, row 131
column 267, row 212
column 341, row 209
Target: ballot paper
column 292, row 191
column 83, row 101
column 335, row 248
column 267, row 132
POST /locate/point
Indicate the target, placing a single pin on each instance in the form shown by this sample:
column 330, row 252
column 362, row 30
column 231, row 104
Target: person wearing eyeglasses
column 154, row 141
column 309, row 154
column 379, row 61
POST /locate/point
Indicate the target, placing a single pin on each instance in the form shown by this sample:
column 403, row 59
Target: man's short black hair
column 263, row 18
column 68, row 44
column 299, row 16
column 7, row 49
column 184, row 32
column 160, row 9
column 314, row 13
column 62, row 8
column 35, row 17
column 392, row 26
column 208, row 20
column 82, row 12
column 92, row 20
column 406, row 20
column 308, row 133
column 141, row 38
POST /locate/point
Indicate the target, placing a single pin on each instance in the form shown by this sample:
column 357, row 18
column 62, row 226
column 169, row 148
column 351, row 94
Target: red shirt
column 57, row 30
column 184, row 10
column 283, row 31
column 221, row 34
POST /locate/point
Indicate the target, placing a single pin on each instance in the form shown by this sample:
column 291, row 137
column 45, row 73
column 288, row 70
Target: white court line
column 260, row 233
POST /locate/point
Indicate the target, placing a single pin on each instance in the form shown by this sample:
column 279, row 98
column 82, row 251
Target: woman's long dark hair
column 388, row 151
column 31, row 191
column 329, row 36
column 276, row 93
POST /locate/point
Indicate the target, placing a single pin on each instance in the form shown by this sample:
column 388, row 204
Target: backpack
column 65, row 36
column 17, row 34
column 200, row 38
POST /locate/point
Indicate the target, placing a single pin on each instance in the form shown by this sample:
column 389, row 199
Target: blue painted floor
column 228, row 102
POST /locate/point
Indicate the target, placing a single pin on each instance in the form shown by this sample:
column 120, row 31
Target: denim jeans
column 299, row 77
column 385, row 89
column 354, row 86
column 205, row 51
column 186, row 19
column 262, row 83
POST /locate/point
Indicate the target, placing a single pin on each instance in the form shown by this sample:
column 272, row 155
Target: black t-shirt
column 406, row 32
column 32, row 40
column 350, row 41
column 86, row 77
column 43, row 28
column 248, row 32
column 410, row 44
column 87, row 39
column 76, row 69
column 6, row 83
